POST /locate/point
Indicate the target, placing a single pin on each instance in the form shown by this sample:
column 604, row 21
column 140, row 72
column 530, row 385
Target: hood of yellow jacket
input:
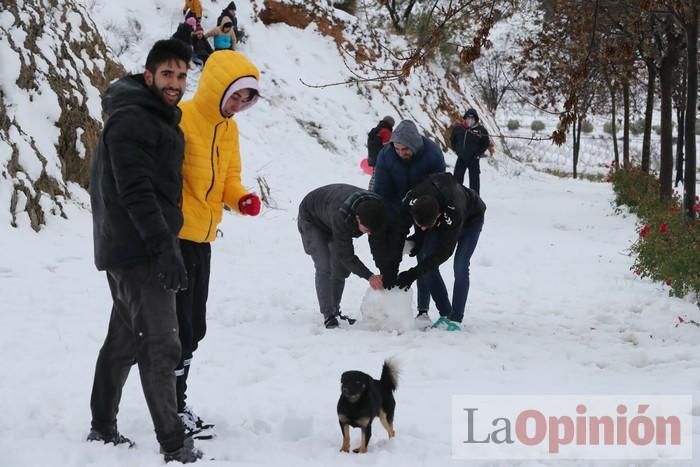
column 222, row 70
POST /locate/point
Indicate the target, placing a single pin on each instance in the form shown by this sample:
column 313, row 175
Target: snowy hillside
column 553, row 307
column 53, row 63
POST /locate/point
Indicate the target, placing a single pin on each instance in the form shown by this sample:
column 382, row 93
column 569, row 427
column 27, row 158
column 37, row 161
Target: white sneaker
column 423, row 321
column 195, row 419
column 189, row 425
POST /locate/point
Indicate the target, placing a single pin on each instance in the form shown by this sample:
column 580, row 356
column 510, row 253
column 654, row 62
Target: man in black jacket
column 135, row 187
column 329, row 218
column 469, row 140
column 450, row 215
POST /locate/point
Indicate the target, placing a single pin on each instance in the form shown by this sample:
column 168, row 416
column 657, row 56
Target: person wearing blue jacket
column 405, row 162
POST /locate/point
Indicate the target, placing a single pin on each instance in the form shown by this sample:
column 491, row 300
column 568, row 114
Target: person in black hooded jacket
column 135, row 189
column 450, row 216
column 469, row 140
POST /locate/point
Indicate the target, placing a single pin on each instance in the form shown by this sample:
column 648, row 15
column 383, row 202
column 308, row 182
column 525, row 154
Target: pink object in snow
column 366, row 168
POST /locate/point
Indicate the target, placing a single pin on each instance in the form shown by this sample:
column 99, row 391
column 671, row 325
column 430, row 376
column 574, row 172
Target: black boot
column 186, row 454
column 113, row 437
column 331, row 322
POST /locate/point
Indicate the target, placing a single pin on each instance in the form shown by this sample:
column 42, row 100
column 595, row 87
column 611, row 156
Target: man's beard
column 160, row 92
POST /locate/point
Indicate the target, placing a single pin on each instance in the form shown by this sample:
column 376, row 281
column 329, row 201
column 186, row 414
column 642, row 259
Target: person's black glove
column 406, row 278
column 389, row 278
column 171, row 269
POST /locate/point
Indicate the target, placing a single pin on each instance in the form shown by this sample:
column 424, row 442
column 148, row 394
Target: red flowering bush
column 668, row 247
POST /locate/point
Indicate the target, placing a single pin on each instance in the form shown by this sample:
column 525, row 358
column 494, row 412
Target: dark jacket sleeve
column 344, row 249
column 132, row 147
column 438, row 162
column 454, row 139
column 380, row 247
column 447, row 241
column 382, row 175
column 484, row 140
column 400, row 231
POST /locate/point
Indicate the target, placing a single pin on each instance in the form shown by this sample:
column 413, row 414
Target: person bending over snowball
column 329, row 218
column 449, row 215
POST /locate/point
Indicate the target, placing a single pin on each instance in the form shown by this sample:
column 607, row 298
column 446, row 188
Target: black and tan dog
column 363, row 398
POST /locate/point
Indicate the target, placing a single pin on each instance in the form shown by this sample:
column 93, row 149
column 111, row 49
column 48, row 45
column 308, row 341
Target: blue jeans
column 466, row 244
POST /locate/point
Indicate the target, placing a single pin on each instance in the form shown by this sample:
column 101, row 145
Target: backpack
column 374, row 145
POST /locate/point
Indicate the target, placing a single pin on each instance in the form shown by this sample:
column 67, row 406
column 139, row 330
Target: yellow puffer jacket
column 211, row 170
column 195, row 6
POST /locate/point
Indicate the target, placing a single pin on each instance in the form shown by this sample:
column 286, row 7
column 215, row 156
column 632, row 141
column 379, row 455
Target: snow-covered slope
column 53, row 63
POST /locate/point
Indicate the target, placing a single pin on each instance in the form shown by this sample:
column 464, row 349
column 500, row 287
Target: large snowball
column 387, row 310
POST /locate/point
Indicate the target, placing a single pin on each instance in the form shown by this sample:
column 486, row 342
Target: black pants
column 142, row 330
column 192, row 309
column 462, row 166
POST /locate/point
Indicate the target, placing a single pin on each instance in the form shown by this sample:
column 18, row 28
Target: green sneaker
column 442, row 321
column 453, row 326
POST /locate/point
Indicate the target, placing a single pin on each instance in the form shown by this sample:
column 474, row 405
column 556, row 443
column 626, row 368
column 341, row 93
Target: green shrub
column 586, row 126
column 668, row 246
column 513, row 125
column 348, row 6
column 657, row 129
column 607, row 127
column 697, row 127
column 537, row 125
column 637, row 127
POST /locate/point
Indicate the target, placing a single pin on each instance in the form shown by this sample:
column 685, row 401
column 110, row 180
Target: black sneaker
column 331, row 322
column 114, row 438
column 186, row 454
column 350, row 321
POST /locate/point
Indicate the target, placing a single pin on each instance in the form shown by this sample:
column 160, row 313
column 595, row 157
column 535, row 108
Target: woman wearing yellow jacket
column 194, row 6
column 211, row 176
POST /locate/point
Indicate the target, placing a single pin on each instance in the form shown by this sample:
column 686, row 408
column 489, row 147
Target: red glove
column 249, row 204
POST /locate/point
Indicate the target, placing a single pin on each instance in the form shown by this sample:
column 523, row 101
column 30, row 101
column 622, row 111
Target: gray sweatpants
column 330, row 273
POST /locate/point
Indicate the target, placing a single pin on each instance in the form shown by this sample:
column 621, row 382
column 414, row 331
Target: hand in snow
column 375, row 281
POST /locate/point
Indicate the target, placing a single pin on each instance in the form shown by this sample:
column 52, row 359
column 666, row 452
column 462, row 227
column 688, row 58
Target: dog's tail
column 390, row 375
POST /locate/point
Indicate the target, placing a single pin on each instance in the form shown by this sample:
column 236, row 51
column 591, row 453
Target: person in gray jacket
column 329, row 218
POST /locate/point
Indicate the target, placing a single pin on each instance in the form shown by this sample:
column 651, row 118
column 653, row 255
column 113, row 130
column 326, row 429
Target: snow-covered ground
column 553, row 308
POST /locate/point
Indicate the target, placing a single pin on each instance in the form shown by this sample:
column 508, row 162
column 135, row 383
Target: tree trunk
column 680, row 118
column 626, row 124
column 648, row 114
column 614, row 123
column 691, row 110
column 668, row 63
column 394, row 15
column 576, row 132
